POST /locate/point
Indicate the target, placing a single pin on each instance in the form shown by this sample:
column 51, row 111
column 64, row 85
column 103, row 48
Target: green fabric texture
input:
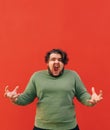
column 55, row 108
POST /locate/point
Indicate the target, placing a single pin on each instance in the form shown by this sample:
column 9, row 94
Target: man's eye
column 60, row 60
column 53, row 59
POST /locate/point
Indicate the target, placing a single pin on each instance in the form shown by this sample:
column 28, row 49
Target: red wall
column 29, row 28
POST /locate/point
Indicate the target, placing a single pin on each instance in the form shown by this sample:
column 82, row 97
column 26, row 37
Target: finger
column 100, row 93
column 91, row 101
column 101, row 98
column 5, row 94
column 16, row 88
column 6, row 88
column 14, row 100
column 6, row 91
column 93, row 90
column 15, row 96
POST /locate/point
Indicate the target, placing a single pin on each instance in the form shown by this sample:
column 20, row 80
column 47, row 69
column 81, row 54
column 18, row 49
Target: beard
column 50, row 72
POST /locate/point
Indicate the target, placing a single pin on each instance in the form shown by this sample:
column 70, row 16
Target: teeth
column 56, row 65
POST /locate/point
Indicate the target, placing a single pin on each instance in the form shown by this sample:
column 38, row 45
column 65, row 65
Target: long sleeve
column 81, row 92
column 29, row 93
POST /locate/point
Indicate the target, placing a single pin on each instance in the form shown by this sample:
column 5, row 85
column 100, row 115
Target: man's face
column 55, row 64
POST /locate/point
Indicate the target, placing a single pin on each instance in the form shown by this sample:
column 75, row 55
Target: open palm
column 12, row 95
column 95, row 98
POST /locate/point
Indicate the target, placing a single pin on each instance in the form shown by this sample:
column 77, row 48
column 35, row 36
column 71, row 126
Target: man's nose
column 56, row 61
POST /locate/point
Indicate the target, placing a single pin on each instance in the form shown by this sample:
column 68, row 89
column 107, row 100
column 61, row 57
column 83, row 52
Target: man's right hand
column 12, row 95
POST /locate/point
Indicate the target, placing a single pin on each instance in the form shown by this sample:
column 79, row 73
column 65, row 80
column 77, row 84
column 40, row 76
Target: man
column 55, row 89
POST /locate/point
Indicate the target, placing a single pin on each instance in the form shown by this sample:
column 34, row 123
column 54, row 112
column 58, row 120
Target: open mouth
column 56, row 67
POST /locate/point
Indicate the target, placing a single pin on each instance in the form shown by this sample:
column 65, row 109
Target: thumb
column 93, row 90
column 16, row 88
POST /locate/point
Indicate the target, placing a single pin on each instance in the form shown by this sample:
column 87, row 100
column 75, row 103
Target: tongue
column 56, row 68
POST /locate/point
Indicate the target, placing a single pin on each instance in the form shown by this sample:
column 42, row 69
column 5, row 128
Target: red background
column 29, row 28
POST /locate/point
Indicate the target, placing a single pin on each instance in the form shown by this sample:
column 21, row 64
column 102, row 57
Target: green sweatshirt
column 55, row 108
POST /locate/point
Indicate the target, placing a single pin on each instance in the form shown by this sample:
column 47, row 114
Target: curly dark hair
column 57, row 51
